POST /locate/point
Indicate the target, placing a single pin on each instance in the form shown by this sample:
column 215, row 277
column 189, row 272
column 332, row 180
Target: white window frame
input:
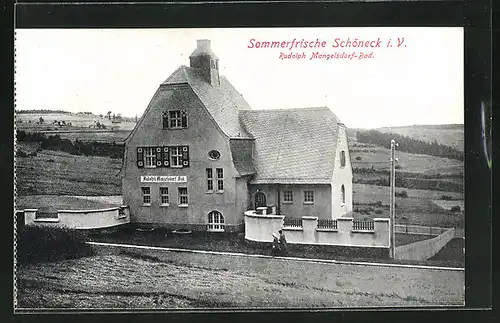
column 285, row 195
column 177, row 157
column 306, row 199
column 181, row 196
column 210, row 180
column 216, row 222
column 149, row 157
column 164, row 195
column 146, row 195
column 220, row 179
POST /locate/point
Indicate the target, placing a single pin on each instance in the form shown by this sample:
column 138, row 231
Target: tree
column 98, row 125
column 41, row 120
column 109, row 115
column 114, row 116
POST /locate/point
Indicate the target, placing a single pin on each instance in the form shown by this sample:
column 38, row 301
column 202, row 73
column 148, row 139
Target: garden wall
column 425, row 249
column 79, row 219
column 260, row 227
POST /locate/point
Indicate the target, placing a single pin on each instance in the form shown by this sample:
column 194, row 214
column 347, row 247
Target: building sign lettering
column 163, row 179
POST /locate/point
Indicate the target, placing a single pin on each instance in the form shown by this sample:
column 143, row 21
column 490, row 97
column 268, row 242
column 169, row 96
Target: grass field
column 59, row 173
column 182, row 280
column 52, row 203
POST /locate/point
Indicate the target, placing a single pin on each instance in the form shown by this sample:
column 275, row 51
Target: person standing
column 282, row 243
column 276, row 246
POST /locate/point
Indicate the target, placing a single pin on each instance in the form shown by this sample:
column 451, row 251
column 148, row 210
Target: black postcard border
column 474, row 16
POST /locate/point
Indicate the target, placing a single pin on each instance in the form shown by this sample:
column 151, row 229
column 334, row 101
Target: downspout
column 278, row 211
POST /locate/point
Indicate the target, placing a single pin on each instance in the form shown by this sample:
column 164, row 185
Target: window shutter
column 140, row 157
column 165, row 120
column 166, row 157
column 184, row 119
column 185, row 156
column 159, row 161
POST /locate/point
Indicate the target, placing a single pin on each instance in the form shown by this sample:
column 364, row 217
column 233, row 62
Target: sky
column 119, row 70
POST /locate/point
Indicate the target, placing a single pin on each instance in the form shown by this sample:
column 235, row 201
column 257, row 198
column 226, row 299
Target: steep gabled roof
column 293, row 145
column 222, row 101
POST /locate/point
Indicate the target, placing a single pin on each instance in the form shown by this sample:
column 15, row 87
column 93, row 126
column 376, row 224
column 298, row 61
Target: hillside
column 450, row 135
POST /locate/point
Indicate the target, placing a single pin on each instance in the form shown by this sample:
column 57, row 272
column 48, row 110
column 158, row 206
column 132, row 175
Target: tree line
column 41, row 111
column 55, row 142
column 408, row 144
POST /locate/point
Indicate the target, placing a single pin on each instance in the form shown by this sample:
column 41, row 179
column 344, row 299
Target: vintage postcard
column 249, row 168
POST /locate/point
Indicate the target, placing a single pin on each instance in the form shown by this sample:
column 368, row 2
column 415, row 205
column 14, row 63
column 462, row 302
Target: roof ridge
column 290, row 109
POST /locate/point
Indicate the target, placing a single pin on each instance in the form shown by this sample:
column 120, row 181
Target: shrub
column 379, row 211
column 21, row 153
column 398, row 167
column 39, row 244
column 358, row 158
column 446, row 197
column 455, row 208
column 402, row 194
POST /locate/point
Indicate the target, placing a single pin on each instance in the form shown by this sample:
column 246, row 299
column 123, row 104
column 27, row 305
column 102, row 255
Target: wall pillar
column 29, row 216
column 344, row 228
column 381, row 230
column 309, row 226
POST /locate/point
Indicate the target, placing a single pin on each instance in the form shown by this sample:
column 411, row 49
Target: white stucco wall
column 342, row 176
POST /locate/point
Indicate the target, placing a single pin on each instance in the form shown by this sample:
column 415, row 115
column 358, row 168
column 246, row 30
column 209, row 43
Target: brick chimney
column 205, row 62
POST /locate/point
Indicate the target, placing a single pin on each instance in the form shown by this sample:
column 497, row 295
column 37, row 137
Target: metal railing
column 292, row 222
column 362, row 225
column 327, row 224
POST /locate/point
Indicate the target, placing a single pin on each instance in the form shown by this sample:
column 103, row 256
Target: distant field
column 379, row 158
column 77, row 120
column 449, row 135
column 59, row 173
column 418, row 208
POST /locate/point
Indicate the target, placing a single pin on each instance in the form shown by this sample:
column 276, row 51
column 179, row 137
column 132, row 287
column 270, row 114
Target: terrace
column 260, row 225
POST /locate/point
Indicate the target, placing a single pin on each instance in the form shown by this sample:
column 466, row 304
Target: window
column 342, row 158
column 220, row 179
column 210, row 180
column 175, row 157
column 342, row 194
column 146, row 195
column 150, row 157
column 308, row 197
column 164, row 196
column 183, row 196
column 174, row 119
column 287, row 197
column 215, row 221
column 213, row 154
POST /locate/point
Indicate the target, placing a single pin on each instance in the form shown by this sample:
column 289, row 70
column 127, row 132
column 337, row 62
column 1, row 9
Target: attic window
column 175, row 119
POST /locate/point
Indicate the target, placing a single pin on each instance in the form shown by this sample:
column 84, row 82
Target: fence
column 426, row 230
column 310, row 230
column 292, row 223
column 327, row 224
column 425, row 249
column 362, row 225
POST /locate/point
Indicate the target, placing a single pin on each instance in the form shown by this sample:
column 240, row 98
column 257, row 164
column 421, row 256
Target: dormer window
column 174, row 119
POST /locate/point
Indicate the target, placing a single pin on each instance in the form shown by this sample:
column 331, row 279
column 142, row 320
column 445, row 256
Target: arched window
column 342, row 194
column 260, row 200
column 342, row 158
column 215, row 221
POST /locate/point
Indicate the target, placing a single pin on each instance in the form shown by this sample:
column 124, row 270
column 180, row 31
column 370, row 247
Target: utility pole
column 393, row 200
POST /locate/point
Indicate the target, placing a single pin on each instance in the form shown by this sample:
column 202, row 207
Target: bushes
column 38, row 244
column 446, row 197
column 402, row 194
column 455, row 208
column 55, row 142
